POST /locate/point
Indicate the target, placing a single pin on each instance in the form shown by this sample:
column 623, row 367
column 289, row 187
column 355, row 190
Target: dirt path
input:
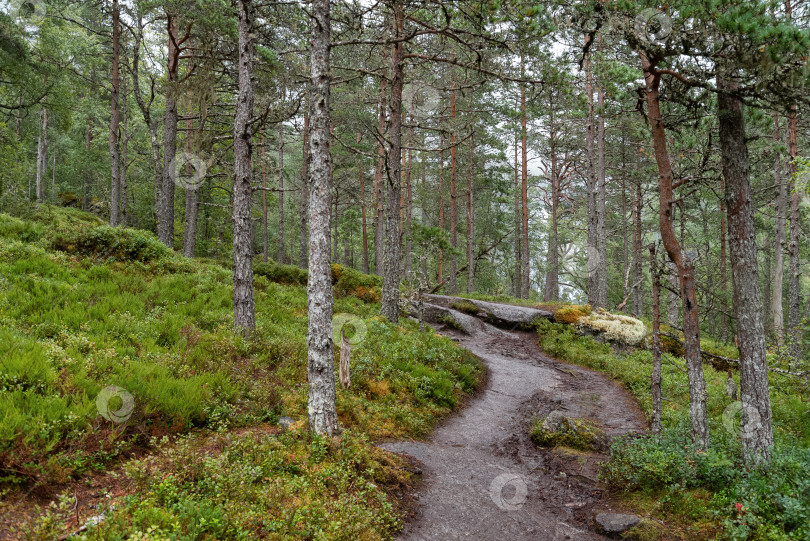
column 483, row 477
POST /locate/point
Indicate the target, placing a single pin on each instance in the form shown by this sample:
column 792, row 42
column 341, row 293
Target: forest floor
column 483, row 476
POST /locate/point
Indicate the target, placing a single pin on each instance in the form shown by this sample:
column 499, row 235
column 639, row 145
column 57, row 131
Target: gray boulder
column 615, row 524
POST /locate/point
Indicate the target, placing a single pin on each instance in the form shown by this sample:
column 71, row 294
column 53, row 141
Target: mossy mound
column 570, row 315
column 289, row 275
column 466, row 307
column 558, row 430
column 104, row 242
column 351, row 283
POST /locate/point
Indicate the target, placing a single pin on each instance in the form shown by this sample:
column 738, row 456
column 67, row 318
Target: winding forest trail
column 483, row 477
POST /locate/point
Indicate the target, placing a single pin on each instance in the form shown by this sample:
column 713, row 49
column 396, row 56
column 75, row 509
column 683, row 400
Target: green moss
column 466, row 307
column 449, row 321
column 281, row 274
column 570, row 315
column 576, row 433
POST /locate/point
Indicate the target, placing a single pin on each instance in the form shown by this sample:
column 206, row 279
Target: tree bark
column 686, row 270
column 409, row 202
column 304, row 254
column 591, row 186
column 779, row 208
column 243, row 304
column 124, row 145
column 321, row 407
column 757, row 432
column 638, row 297
column 265, row 232
column 518, row 228
column 42, row 157
column 363, row 207
column 166, row 210
column 390, row 290
column 89, row 170
column 552, row 289
column 115, row 151
column 794, row 308
column 723, row 259
column 281, row 257
column 655, row 380
column 440, row 270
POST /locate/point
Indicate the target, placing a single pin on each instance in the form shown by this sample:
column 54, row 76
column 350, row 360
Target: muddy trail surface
column 483, row 477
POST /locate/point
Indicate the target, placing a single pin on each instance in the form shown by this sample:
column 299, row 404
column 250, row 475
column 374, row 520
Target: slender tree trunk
column 42, row 157
column 265, row 233
column 281, row 257
column 591, row 187
column 471, row 219
column 334, row 219
column 655, row 380
column 321, row 361
column 440, row 273
column 115, row 151
column 779, row 207
column 166, row 211
column 638, row 296
column 124, row 144
column 89, row 170
column 452, row 287
column 601, row 197
column 243, row 304
column 723, row 259
column 393, row 238
column 552, row 289
column 192, row 189
column 409, row 202
column 686, row 270
column 305, row 188
column 362, row 206
column 525, row 279
column 757, row 433
column 379, row 233
column 794, row 308
column 518, row 228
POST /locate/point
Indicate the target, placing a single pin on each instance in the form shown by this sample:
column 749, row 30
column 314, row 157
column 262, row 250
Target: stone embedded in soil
column 285, row 422
column 555, row 421
column 613, row 524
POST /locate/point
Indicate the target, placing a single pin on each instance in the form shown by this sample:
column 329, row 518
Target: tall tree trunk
column 757, row 432
column 453, row 270
column 591, row 187
column 638, row 297
column 265, row 233
column 552, row 289
column 124, row 144
column 471, row 219
column 723, row 258
column 304, row 255
column 409, row 202
column 686, row 270
column 281, row 258
column 390, row 290
column 518, row 228
column 334, row 219
column 243, row 304
column 89, row 170
column 42, row 157
column 115, row 151
column 655, row 380
column 601, row 196
column 363, row 223
column 166, row 210
column 379, row 171
column 192, row 189
column 321, row 360
column 794, row 308
column 779, row 208
column 525, row 278
column 440, row 273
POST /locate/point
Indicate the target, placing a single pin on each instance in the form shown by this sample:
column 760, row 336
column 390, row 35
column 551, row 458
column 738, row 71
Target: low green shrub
column 104, row 242
column 281, row 274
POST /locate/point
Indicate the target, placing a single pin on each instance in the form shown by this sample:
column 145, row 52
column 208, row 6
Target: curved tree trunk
column 243, row 305
column 686, row 270
column 757, row 433
column 321, row 360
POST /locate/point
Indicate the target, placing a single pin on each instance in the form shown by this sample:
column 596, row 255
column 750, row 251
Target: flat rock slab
column 614, row 524
column 502, row 315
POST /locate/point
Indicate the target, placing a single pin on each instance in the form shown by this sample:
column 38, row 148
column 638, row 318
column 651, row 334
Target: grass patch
column 465, row 307
column 701, row 487
column 162, row 329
